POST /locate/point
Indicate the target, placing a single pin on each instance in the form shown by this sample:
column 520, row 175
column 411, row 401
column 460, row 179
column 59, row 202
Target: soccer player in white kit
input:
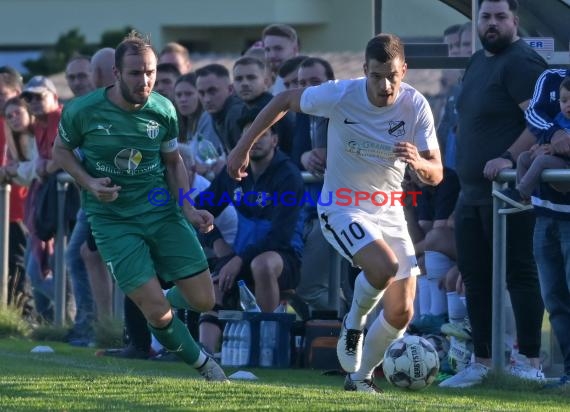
column 377, row 126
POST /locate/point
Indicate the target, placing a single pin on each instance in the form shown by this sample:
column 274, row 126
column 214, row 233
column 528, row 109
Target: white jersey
column 361, row 140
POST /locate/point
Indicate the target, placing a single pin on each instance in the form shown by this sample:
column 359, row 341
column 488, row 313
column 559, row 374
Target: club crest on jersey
column 152, row 129
column 397, row 129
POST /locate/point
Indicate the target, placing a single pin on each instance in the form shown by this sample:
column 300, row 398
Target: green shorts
column 160, row 243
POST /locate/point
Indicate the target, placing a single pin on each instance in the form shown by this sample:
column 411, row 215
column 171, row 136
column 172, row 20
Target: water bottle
column 230, row 346
column 236, row 343
column 247, row 299
column 206, row 151
column 226, row 344
column 244, row 344
column 267, row 343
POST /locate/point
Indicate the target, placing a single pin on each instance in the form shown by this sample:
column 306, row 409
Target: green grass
column 12, row 324
column 75, row 379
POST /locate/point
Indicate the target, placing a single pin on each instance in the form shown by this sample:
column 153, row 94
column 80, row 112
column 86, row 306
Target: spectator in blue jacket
column 552, row 208
column 267, row 249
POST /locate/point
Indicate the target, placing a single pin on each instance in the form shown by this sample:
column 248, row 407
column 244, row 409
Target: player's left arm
column 426, row 163
column 177, row 180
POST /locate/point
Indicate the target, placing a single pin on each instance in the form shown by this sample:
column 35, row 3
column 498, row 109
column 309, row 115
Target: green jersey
column 122, row 145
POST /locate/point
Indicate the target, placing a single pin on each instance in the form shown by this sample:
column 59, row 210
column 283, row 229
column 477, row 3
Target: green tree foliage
column 111, row 38
column 54, row 59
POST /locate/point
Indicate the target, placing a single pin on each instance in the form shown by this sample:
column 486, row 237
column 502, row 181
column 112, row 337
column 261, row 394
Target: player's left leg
column 398, row 304
column 397, row 312
column 178, row 257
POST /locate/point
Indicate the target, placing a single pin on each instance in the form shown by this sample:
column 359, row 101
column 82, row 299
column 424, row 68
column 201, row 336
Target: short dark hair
column 513, row 4
column 565, row 83
column 168, row 68
column 290, row 65
column 216, row 69
column 134, row 43
column 249, row 116
column 250, row 60
column 311, row 61
column 384, row 47
column 281, row 30
column 455, row 28
column 188, row 78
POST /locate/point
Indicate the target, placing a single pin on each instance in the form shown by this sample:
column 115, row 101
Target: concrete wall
column 323, row 24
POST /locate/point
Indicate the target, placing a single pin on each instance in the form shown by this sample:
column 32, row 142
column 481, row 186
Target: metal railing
column 60, row 241
column 499, row 255
column 63, row 181
column 500, row 260
column 5, row 234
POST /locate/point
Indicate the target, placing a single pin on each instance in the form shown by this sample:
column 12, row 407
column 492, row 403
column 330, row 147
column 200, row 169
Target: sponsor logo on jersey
column 63, row 133
column 347, row 121
column 152, row 129
column 370, row 149
column 106, row 128
column 397, row 129
column 128, row 159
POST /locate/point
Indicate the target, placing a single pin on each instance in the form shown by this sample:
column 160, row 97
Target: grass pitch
column 73, row 379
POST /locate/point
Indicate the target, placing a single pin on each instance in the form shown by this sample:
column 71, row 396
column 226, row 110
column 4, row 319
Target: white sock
column 201, row 361
column 438, row 298
column 423, row 295
column 364, row 299
column 437, row 264
column 380, row 335
column 455, row 308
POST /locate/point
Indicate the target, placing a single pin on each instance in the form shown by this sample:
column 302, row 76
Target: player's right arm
column 238, row 158
column 99, row 187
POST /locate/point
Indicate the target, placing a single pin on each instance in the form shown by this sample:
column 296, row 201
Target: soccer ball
column 440, row 344
column 411, row 362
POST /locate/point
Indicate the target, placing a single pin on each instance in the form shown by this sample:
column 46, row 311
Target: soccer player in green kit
column 126, row 135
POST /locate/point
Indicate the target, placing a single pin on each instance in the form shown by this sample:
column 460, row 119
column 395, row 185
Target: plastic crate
column 281, row 353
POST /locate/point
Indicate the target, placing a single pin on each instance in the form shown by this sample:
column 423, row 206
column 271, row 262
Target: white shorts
column 349, row 231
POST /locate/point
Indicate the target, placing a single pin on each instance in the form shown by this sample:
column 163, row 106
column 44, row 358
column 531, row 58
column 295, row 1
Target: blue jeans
column 85, row 314
column 42, row 288
column 552, row 255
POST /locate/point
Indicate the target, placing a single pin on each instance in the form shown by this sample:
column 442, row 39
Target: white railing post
column 499, row 275
column 4, row 246
column 63, row 180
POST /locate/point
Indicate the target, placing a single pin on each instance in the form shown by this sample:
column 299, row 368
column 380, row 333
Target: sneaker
column 165, row 356
column 211, row 371
column 459, row 355
column 513, row 197
column 366, row 385
column 461, row 330
column 527, row 372
column 349, row 348
column 562, row 383
column 128, row 352
column 470, row 376
column 82, row 343
column 428, row 324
